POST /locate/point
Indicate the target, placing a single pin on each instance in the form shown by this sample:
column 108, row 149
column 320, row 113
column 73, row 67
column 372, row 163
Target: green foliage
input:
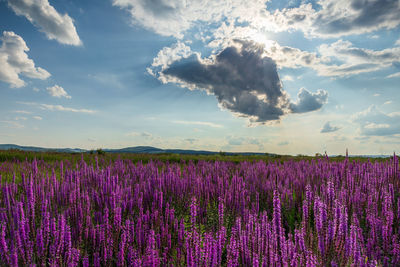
column 19, row 156
column 100, row 151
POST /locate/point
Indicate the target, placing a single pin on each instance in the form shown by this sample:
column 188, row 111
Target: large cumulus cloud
column 14, row 61
column 308, row 101
column 244, row 81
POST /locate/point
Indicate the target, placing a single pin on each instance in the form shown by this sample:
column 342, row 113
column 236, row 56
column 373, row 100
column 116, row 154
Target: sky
column 288, row 77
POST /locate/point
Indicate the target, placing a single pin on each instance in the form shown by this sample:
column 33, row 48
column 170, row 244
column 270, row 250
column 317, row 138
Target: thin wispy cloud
column 199, row 123
column 140, row 134
column 20, row 118
column 394, row 75
column 68, row 109
column 12, row 124
column 23, row 112
column 58, row 107
column 37, row 118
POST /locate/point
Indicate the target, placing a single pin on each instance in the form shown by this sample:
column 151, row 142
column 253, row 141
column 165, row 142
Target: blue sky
column 294, row 77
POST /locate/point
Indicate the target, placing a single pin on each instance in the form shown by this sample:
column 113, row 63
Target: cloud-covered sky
column 290, row 77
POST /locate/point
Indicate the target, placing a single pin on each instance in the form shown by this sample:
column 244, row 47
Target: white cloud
column 346, row 52
column 331, row 18
column 22, row 112
column 62, row 108
column 394, row 75
column 350, row 60
column 291, row 57
column 37, row 118
column 175, row 17
column 57, row 91
column 328, row 128
column 140, row 134
column 307, row 101
column 374, row 122
column 388, row 102
column 167, row 56
column 376, row 126
column 44, row 16
column 199, row 123
column 287, row 78
column 20, row 118
column 335, row 18
column 15, row 62
column 251, row 21
column 57, row 107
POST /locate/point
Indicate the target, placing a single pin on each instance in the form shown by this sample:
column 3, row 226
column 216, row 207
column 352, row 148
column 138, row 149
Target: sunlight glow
column 262, row 38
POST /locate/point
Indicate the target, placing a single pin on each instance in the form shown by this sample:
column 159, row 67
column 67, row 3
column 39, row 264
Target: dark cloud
column 328, row 128
column 244, row 80
column 308, row 101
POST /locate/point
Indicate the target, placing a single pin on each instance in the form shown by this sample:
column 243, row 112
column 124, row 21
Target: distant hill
column 41, row 149
column 136, row 149
column 151, row 150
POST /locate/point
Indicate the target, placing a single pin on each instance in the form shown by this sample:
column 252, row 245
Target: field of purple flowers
column 120, row 213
